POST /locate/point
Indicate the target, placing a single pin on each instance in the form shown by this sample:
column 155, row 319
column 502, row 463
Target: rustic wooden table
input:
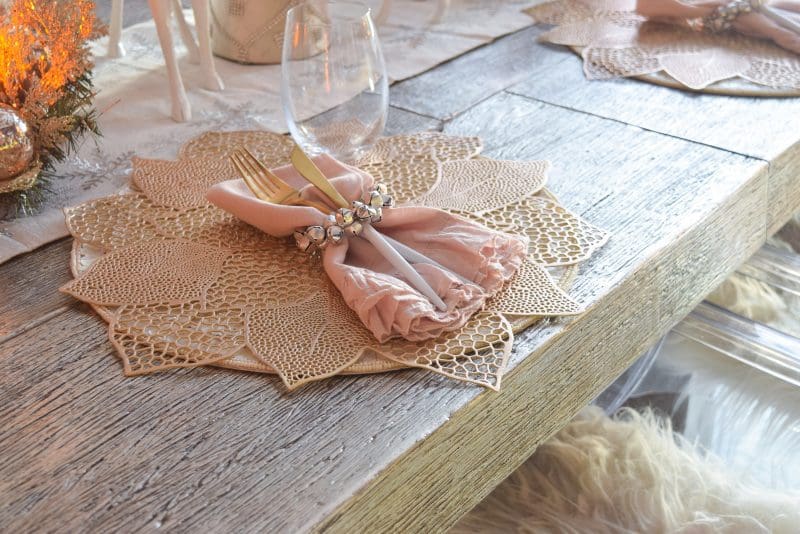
column 689, row 186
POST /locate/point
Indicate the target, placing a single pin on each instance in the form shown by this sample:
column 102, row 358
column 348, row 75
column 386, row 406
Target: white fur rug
column 623, row 475
column 753, row 299
column 761, row 302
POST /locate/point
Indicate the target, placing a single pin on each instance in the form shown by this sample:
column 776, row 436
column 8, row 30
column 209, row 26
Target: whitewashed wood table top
column 689, row 186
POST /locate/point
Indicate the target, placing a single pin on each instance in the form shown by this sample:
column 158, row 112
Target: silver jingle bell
column 335, row 234
column 330, row 220
column 376, row 199
column 316, row 234
column 344, row 217
column 387, row 201
column 362, row 211
column 354, row 229
column 302, row 241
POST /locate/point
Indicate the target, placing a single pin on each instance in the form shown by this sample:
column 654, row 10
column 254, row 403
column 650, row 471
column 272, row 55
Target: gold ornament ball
column 16, row 147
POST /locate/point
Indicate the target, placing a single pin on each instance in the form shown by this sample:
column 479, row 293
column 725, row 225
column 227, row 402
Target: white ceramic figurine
column 199, row 52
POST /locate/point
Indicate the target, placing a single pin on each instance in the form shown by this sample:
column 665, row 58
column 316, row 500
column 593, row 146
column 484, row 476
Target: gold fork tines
column 254, row 186
column 266, row 185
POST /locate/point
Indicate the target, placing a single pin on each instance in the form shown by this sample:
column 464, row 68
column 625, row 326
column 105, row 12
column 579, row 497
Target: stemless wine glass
column 334, row 88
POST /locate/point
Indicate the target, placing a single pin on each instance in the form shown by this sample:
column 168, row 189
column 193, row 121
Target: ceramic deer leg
column 115, row 48
column 186, row 33
column 181, row 110
column 211, row 79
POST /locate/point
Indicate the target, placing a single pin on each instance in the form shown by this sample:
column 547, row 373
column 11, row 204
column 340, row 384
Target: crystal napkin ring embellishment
column 722, row 17
column 345, row 222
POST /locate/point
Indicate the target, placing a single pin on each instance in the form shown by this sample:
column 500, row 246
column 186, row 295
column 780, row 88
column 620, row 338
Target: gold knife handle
column 311, row 172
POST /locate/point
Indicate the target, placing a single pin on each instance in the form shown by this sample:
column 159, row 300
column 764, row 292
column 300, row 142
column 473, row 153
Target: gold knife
column 311, row 172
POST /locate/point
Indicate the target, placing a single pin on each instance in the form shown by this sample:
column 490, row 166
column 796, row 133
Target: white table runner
column 133, row 96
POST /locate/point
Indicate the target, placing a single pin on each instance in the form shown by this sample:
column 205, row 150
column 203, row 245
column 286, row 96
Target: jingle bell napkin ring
column 345, row 222
column 779, row 23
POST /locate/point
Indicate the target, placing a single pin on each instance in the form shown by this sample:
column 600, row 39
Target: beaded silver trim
column 722, row 18
column 345, row 222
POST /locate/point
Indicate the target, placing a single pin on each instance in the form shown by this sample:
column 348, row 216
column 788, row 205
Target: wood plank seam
column 452, row 116
column 644, row 128
column 35, row 322
column 419, row 115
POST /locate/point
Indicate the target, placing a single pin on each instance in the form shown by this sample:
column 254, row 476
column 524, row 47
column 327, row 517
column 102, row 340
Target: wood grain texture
column 784, row 176
column 674, row 238
column 86, row 449
column 459, row 84
column 222, row 451
column 83, row 448
column 400, row 121
column 31, row 293
column 759, row 127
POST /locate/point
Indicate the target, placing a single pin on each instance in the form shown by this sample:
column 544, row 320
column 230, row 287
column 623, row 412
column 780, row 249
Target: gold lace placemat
column 182, row 283
column 616, row 42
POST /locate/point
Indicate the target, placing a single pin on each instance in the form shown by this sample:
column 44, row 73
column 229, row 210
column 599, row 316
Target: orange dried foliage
column 43, row 48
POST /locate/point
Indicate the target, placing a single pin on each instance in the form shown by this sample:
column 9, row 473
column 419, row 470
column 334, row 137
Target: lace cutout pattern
column 184, row 284
column 151, row 272
column 273, row 149
column 476, row 354
column 91, row 221
column 616, row 42
column 165, row 336
column 435, row 145
column 532, row 292
column 249, row 278
column 332, row 338
column 180, row 184
column 405, row 177
column 557, row 236
column 478, row 185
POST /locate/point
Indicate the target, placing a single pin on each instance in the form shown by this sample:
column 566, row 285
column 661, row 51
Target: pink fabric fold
column 387, row 305
column 756, row 24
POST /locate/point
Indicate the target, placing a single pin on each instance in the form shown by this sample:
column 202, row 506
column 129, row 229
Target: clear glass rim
column 361, row 12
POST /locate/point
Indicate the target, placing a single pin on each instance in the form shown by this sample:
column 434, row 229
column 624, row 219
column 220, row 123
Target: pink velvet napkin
column 383, row 300
column 755, row 24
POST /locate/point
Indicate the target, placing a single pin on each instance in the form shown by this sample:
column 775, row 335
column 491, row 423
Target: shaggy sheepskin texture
column 752, row 299
column 759, row 301
column 788, row 237
column 624, row 475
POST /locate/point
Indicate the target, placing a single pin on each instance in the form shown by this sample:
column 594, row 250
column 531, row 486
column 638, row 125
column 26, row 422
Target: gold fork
column 266, row 185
